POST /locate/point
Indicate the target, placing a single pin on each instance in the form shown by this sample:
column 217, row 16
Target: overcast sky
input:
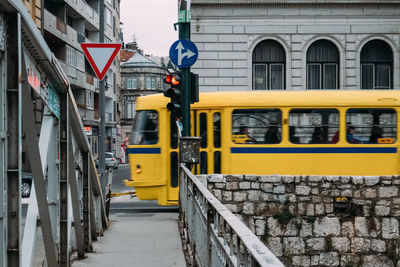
column 151, row 21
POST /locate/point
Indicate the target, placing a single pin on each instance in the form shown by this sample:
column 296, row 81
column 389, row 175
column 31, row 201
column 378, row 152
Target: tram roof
column 304, row 98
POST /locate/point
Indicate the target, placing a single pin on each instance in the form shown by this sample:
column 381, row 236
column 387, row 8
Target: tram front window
column 145, row 130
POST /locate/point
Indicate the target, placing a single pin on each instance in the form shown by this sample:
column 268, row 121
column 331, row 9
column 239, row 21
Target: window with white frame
column 71, row 56
column 89, row 99
column 269, row 61
column 110, row 78
column 128, row 83
column 376, row 65
column 322, row 65
column 135, row 84
column 108, row 16
column 129, row 106
column 80, row 61
column 150, row 82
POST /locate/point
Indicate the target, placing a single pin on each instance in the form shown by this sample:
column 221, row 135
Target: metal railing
column 67, row 201
column 216, row 236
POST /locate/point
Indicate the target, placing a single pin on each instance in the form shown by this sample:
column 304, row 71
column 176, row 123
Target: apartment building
column 296, row 45
column 65, row 24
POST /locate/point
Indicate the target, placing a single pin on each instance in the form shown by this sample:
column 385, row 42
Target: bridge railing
column 216, row 236
column 67, row 200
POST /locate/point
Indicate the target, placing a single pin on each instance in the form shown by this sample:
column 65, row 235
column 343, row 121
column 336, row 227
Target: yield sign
column 100, row 56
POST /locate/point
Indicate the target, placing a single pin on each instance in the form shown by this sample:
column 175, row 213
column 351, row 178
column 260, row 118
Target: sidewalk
column 138, row 239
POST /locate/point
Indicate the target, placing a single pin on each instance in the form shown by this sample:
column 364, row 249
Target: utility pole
column 102, row 127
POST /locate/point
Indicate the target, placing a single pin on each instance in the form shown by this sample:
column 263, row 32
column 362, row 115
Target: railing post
column 3, row 153
column 13, row 142
column 75, row 200
column 86, row 202
column 64, row 258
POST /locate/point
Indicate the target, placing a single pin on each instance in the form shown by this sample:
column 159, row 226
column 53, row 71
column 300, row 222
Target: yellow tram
column 267, row 132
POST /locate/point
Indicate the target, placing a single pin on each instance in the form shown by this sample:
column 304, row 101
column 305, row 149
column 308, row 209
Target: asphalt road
column 123, row 172
column 129, row 204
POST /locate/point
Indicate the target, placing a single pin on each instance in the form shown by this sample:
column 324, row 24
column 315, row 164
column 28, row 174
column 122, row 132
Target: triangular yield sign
column 100, row 56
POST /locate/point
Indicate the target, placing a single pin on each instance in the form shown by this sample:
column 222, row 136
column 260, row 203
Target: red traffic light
column 173, row 79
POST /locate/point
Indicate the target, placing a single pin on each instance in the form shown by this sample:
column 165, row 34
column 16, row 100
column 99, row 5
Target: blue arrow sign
column 183, row 53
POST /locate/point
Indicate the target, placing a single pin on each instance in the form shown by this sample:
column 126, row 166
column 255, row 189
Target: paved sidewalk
column 138, row 239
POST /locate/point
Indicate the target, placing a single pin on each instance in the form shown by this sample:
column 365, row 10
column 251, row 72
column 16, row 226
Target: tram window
column 203, row 162
column 174, row 132
column 174, row 169
column 203, row 130
column 217, row 162
column 256, row 126
column 217, row 130
column 371, row 126
column 145, row 131
column 313, row 126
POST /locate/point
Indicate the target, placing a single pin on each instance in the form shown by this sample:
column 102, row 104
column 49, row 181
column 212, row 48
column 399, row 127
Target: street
column 128, row 203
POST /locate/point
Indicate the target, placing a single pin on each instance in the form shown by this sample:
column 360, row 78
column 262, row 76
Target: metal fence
column 216, row 236
column 67, row 201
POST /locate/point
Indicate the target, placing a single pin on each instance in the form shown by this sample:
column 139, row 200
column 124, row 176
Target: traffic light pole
column 184, row 33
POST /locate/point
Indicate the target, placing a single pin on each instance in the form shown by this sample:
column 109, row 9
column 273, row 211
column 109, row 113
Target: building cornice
column 293, row 3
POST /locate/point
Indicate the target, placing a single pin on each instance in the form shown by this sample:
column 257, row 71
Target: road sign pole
column 102, row 127
column 184, row 33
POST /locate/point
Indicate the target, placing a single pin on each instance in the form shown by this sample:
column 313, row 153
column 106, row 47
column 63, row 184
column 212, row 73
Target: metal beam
column 64, row 122
column 14, row 141
column 3, row 156
column 75, row 201
column 86, row 202
column 32, row 143
column 46, row 144
column 93, row 227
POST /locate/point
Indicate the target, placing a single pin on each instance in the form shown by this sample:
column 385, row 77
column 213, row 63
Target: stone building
column 140, row 76
column 296, row 45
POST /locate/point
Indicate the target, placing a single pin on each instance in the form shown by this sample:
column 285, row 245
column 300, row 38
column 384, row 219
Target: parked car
column 26, row 184
column 110, row 161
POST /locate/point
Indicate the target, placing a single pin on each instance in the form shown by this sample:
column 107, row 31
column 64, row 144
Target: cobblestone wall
column 302, row 221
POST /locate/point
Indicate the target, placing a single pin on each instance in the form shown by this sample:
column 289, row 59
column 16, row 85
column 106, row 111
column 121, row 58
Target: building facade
column 296, row 45
column 140, row 76
column 65, row 25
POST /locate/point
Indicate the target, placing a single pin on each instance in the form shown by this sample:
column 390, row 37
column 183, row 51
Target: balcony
column 86, row 11
column 55, row 26
column 86, row 114
column 62, row 31
column 79, row 78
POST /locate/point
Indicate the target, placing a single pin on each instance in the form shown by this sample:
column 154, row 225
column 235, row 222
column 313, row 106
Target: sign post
column 185, row 54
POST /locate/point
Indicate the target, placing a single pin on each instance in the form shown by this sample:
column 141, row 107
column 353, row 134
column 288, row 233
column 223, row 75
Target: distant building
column 65, row 25
column 140, row 76
column 296, row 45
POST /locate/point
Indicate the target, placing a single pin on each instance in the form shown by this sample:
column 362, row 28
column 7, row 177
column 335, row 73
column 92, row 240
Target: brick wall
column 302, row 222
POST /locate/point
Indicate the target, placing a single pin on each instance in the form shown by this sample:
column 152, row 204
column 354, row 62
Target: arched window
column 376, row 65
column 268, row 66
column 322, row 65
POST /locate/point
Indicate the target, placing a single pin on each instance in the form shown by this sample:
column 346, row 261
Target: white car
column 111, row 161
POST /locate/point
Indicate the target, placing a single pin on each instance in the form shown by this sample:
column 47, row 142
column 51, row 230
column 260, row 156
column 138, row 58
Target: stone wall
column 302, row 221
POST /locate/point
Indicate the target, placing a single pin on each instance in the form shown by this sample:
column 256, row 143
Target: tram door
column 208, row 126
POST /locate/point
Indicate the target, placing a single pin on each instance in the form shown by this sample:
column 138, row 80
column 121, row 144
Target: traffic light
column 174, row 92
